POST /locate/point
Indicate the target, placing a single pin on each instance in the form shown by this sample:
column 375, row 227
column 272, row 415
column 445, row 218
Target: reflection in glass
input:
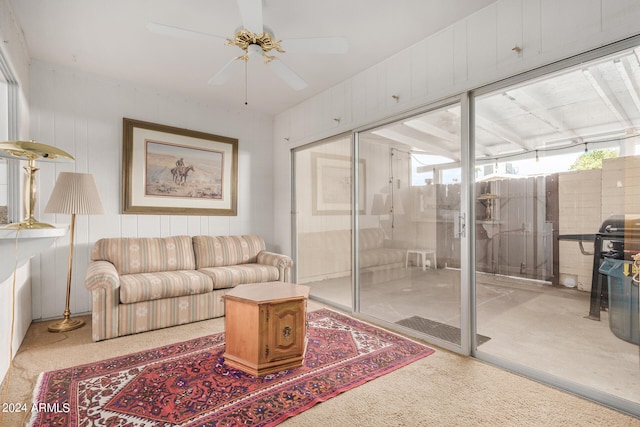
column 409, row 245
column 322, row 187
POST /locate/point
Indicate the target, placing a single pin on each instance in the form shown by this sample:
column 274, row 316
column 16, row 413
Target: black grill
column 618, row 238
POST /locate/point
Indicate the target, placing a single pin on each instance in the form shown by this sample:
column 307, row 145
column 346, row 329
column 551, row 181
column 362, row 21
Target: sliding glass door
column 323, row 185
column 410, row 224
column 557, row 200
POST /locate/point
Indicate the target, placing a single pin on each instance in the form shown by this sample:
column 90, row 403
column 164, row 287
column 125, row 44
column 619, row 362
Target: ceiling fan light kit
column 263, row 43
column 257, row 40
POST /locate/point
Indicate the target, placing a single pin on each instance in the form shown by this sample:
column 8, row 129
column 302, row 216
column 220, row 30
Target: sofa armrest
column 283, row 262
column 103, row 281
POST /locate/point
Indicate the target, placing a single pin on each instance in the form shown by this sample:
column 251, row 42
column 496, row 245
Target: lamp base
column 26, row 224
column 65, row 325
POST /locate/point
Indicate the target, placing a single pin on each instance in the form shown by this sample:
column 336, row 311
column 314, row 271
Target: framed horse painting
column 174, row 171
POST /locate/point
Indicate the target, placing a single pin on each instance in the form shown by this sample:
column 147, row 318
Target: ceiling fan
column 257, row 40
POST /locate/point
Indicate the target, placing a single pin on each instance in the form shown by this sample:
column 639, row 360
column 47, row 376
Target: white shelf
column 29, row 242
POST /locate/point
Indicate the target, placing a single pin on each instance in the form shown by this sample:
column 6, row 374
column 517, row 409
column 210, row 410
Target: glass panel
column 556, row 162
column 323, row 181
column 4, row 135
column 409, row 242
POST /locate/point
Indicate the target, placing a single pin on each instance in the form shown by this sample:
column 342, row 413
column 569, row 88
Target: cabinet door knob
column 286, row 332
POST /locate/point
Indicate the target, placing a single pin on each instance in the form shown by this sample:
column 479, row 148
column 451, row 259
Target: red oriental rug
column 188, row 384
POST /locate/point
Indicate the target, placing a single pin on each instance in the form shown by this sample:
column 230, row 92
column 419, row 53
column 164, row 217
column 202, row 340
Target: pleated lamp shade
column 75, row 193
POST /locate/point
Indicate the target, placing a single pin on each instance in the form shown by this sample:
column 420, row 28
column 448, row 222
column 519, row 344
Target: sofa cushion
column 382, row 256
column 227, row 277
column 168, row 284
column 220, row 251
column 132, row 255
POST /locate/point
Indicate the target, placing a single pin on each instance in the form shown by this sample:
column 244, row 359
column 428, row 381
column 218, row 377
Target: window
column 4, row 135
column 9, row 183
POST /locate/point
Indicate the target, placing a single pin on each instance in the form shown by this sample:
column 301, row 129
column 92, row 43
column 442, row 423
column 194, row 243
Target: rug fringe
column 34, row 398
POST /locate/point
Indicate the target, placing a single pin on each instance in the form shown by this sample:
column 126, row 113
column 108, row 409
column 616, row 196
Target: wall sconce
column 30, row 151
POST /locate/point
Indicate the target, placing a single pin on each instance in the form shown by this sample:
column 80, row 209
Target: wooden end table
column 266, row 327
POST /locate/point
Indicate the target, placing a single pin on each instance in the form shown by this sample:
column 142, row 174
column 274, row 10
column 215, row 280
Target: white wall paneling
column 297, row 123
column 418, row 70
column 397, row 74
column 23, row 300
column 373, row 82
column 482, row 42
column 358, row 99
column 531, row 28
column 82, row 114
column 508, row 31
column 615, row 14
column 148, row 225
column 338, row 106
column 281, row 128
column 440, row 62
column 314, row 109
column 460, row 62
column 585, row 19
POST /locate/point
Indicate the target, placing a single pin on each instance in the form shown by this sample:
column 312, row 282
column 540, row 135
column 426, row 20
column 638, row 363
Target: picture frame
column 174, row 171
column 332, row 184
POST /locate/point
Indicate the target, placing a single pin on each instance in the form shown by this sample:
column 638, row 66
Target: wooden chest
column 266, row 327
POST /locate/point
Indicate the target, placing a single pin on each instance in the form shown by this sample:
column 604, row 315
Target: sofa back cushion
column 132, row 255
column 221, row 251
column 371, row 238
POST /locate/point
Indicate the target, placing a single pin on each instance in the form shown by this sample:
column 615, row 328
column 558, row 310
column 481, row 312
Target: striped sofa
column 141, row 284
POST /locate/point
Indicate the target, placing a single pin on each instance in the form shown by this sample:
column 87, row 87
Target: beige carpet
column 444, row 389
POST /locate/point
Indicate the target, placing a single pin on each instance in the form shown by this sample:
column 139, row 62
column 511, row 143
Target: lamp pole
column 68, row 324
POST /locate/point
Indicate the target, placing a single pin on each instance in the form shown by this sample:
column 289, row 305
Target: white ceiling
column 109, row 38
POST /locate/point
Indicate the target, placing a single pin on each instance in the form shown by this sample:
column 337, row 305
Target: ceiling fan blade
column 251, row 13
column 232, row 68
column 336, row 45
column 287, row 74
column 168, row 30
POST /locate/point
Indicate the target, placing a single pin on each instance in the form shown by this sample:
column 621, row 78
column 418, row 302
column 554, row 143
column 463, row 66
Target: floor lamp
column 74, row 193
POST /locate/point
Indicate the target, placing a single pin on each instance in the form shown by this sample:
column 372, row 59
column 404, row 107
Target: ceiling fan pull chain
column 246, row 80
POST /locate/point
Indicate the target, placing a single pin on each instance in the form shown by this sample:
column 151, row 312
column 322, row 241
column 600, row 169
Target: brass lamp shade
column 31, row 151
column 74, row 193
